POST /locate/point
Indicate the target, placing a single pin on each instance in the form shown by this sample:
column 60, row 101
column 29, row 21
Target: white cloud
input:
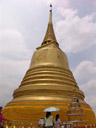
column 13, row 62
column 74, row 32
column 11, row 39
column 89, row 90
column 12, row 44
column 11, row 74
column 85, row 71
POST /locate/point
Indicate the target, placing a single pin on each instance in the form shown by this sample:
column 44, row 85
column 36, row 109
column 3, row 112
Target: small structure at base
column 75, row 113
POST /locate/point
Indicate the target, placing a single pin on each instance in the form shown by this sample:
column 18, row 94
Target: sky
column 23, row 24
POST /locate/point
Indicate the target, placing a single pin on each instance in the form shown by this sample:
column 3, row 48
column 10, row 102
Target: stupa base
column 32, row 111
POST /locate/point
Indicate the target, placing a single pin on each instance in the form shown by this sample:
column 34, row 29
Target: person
column 48, row 120
column 57, row 122
column 41, row 123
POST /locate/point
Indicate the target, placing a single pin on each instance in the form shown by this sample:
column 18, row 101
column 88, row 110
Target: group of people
column 48, row 121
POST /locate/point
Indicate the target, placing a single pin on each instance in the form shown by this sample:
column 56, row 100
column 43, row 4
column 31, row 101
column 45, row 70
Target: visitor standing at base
column 41, row 123
column 57, row 121
column 48, row 120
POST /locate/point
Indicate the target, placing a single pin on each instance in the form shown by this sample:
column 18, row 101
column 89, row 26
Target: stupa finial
column 50, row 7
column 50, row 36
column 50, row 17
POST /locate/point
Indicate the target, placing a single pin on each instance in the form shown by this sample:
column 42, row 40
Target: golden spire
column 50, row 36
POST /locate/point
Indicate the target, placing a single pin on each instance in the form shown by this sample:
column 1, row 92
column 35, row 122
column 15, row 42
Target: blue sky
column 22, row 28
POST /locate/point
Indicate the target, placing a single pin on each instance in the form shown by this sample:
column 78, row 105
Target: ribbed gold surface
column 49, row 75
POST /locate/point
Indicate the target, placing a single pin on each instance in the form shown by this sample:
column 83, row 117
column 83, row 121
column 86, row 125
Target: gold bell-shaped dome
column 48, row 82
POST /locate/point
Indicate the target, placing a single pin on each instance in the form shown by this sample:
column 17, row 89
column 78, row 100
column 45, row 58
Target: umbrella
column 51, row 109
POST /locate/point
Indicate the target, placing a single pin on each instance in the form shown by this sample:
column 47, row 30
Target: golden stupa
column 48, row 82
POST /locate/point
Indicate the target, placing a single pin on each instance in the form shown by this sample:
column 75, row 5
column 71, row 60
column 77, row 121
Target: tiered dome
column 48, row 82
